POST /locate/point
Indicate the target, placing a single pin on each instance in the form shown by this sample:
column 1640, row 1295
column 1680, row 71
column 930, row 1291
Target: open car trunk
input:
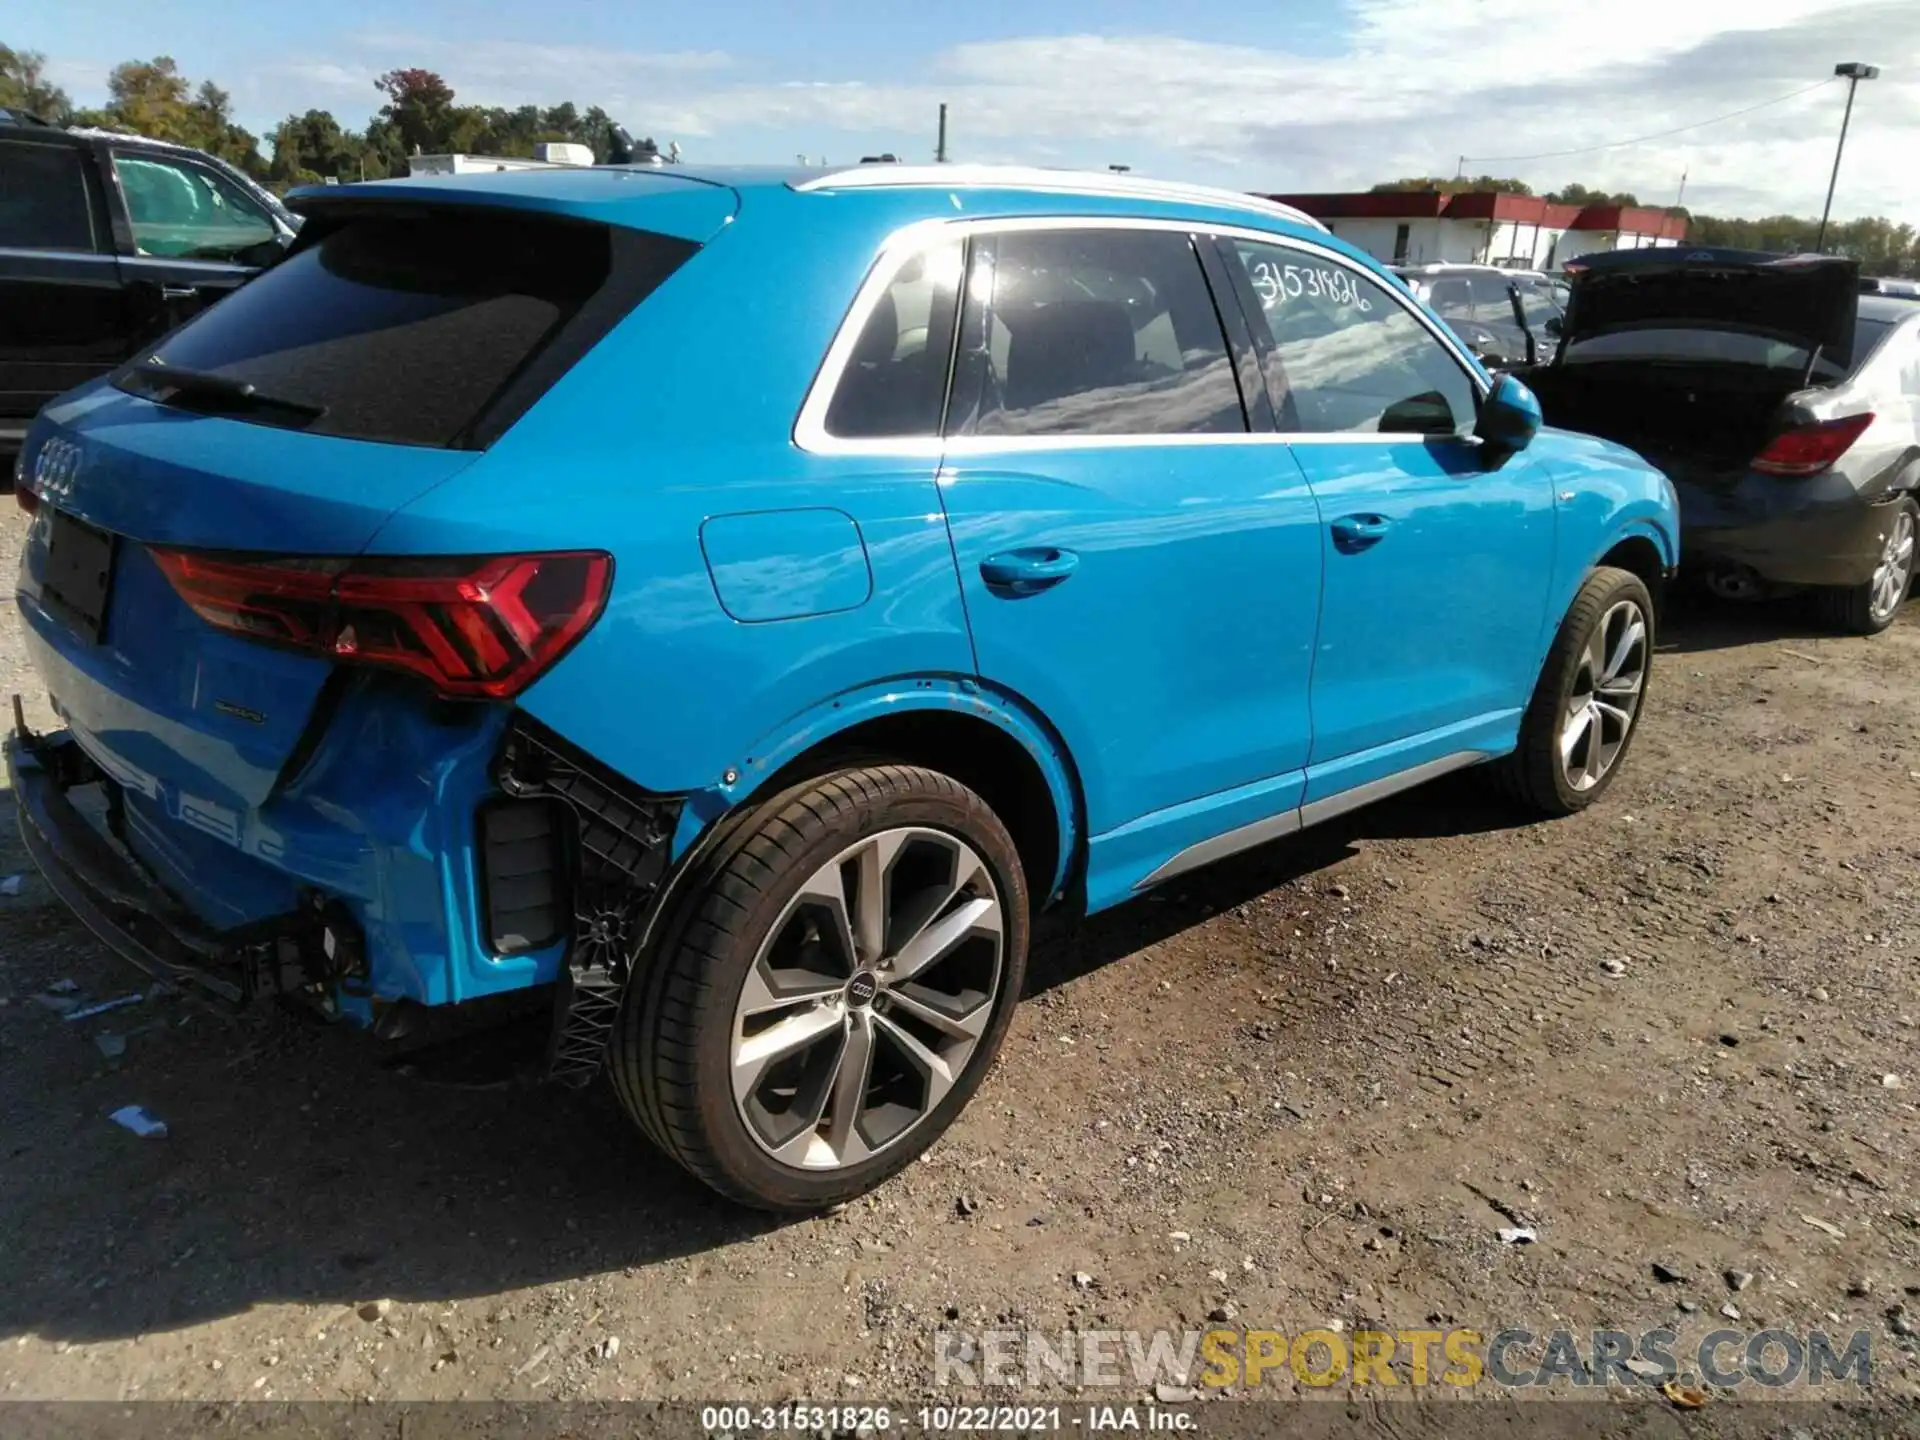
column 1698, row 419
column 1691, row 356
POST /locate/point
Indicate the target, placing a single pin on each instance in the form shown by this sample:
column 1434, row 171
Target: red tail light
column 1809, row 449
column 481, row 628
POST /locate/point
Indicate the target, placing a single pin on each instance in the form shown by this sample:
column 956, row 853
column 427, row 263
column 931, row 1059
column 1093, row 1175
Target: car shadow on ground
column 1460, row 804
column 298, row 1170
column 1695, row 623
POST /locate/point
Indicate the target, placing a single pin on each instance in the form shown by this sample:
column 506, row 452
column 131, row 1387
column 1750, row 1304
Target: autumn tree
column 24, row 86
column 419, row 110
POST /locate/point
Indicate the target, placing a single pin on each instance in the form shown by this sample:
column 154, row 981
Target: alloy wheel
column 1605, row 696
column 1890, row 577
column 868, row 999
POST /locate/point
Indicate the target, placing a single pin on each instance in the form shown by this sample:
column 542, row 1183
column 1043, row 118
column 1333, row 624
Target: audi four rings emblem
column 55, row 468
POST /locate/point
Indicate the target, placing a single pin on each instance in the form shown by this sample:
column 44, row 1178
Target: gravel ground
column 1308, row 1088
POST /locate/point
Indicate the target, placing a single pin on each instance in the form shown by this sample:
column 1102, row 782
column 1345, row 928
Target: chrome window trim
column 810, row 428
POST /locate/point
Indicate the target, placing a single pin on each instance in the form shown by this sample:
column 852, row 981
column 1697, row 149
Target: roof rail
column 1034, row 177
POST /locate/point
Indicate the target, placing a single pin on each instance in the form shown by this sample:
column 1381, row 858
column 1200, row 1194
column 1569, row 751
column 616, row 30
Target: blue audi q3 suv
column 726, row 607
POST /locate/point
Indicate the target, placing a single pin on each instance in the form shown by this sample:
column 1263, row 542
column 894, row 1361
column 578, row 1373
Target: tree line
column 419, row 113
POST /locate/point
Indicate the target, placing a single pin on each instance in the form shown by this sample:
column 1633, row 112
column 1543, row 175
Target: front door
column 1432, row 619
column 1136, row 565
column 197, row 236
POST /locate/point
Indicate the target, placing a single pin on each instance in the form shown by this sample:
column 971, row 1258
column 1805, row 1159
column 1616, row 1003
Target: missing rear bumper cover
column 303, row 952
column 590, row 861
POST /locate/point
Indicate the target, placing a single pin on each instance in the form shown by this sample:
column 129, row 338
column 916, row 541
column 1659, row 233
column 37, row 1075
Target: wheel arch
column 1639, row 553
column 990, row 741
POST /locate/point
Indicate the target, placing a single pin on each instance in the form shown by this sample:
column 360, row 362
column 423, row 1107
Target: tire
column 795, row 1133
column 1870, row 607
column 1536, row 775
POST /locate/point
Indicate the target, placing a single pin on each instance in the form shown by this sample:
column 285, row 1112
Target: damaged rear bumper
column 312, row 948
column 1817, row 531
column 569, row 860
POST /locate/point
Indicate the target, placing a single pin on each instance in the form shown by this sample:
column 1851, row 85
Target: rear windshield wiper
column 205, row 388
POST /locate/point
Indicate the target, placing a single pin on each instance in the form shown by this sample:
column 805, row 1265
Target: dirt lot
column 1308, row 1087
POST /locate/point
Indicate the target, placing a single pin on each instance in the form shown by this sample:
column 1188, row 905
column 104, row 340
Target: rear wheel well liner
column 969, row 747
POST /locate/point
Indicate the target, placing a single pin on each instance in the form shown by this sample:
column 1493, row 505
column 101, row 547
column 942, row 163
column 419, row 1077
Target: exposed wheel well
column 977, row 753
column 1641, row 557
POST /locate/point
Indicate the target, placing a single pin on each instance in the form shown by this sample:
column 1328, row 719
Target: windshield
column 1867, row 334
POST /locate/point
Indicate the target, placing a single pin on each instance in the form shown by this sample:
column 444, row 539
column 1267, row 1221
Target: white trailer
column 549, row 155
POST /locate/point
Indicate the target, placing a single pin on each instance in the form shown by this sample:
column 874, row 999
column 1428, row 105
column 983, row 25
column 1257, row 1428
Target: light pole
column 1853, row 72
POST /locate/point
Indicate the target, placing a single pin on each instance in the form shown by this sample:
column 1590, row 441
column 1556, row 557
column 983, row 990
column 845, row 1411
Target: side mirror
column 1510, row 417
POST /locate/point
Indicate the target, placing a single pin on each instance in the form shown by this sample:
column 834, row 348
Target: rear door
column 1437, row 566
column 1136, row 563
column 60, row 312
column 196, row 236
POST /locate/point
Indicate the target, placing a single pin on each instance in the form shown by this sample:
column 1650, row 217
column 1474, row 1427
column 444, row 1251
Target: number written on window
column 1276, row 281
column 1344, row 357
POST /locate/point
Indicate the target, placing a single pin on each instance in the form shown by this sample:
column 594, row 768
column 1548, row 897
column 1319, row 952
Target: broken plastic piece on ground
column 11, row 884
column 1684, row 1397
column 136, row 1119
column 101, row 1007
column 59, row 1004
column 1518, row 1235
column 63, row 987
column 110, row 1044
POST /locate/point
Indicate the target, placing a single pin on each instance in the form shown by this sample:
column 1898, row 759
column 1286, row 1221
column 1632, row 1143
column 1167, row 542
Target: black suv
column 107, row 242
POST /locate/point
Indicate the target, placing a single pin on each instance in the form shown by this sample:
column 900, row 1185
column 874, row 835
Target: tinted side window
column 1091, row 332
column 895, row 382
column 1350, row 357
column 188, row 213
column 43, row 198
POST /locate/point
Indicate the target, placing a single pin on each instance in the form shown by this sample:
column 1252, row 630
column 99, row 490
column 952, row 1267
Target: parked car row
column 107, row 242
column 1506, row 317
column 723, row 610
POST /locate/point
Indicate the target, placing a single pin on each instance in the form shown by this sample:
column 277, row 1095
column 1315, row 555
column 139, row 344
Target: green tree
column 1434, row 183
column 24, row 86
column 152, row 98
column 311, row 147
column 1583, row 196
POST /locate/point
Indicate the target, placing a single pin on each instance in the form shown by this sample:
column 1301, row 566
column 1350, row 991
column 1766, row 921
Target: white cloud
column 1424, row 82
column 1421, row 83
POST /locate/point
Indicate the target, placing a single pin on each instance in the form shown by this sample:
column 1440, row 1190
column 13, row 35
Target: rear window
column 421, row 327
column 43, row 198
